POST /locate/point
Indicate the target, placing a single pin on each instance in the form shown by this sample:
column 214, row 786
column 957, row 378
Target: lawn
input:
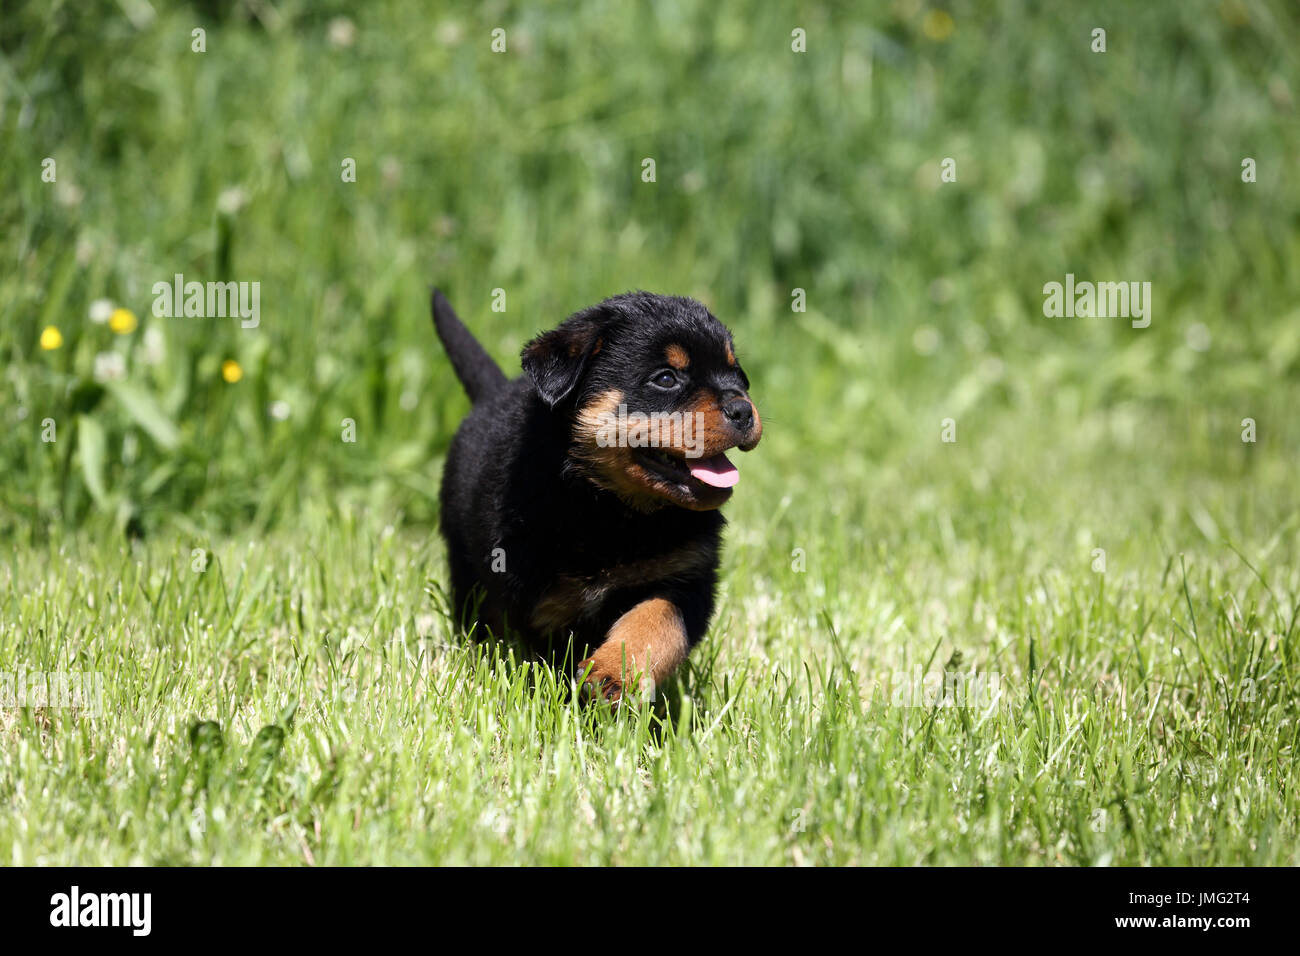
column 999, row 587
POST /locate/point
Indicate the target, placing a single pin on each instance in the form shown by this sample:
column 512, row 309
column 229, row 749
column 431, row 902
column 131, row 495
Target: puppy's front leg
column 645, row 645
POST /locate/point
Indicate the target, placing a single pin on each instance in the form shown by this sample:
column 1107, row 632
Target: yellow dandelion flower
column 231, row 371
column 122, row 321
column 937, row 25
column 51, row 338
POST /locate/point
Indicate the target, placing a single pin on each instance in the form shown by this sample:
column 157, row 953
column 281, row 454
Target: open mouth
column 716, row 471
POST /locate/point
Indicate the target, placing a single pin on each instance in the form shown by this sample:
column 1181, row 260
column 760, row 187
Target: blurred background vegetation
column 1161, row 694
column 775, row 171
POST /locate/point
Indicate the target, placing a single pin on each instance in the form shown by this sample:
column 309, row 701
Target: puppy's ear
column 556, row 360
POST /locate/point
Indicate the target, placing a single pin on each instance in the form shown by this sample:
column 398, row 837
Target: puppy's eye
column 664, row 379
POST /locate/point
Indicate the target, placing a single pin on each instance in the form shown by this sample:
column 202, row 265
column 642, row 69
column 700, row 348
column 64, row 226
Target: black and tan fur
column 552, row 535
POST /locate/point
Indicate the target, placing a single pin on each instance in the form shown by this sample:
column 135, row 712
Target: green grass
column 1147, row 713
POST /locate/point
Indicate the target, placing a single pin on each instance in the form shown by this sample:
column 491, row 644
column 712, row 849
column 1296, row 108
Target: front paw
column 604, row 676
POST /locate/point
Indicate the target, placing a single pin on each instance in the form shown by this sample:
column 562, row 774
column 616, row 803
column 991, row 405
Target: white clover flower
column 342, row 33
column 153, row 346
column 232, row 200
column 68, row 194
column 926, row 340
column 109, row 367
column 101, row 310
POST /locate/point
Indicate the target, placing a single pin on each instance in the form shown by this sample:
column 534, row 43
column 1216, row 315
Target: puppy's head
column 654, row 397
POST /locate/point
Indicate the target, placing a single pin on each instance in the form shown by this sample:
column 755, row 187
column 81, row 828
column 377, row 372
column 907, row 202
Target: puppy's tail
column 474, row 367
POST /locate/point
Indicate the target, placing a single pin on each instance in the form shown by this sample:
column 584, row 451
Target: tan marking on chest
column 572, row 597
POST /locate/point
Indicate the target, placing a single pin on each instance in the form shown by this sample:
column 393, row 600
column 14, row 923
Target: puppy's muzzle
column 742, row 416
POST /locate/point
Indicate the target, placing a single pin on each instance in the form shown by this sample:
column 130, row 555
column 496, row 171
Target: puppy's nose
column 740, row 413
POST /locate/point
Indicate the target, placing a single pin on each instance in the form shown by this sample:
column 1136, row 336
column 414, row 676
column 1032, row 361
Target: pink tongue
column 716, row 471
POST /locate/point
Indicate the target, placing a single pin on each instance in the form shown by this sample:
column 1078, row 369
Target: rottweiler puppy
column 581, row 499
